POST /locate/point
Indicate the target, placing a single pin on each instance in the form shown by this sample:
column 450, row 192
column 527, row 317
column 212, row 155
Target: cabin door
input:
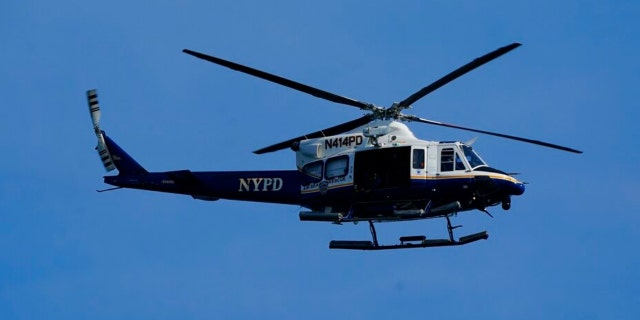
column 382, row 168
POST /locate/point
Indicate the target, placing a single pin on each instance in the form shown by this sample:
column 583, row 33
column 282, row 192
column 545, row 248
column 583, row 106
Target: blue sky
column 566, row 249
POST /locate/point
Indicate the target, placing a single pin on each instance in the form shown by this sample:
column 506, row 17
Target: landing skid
column 408, row 242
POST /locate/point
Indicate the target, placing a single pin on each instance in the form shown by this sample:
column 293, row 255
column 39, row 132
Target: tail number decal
column 348, row 141
column 260, row 184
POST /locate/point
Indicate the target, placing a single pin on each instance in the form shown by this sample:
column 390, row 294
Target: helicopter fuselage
column 381, row 172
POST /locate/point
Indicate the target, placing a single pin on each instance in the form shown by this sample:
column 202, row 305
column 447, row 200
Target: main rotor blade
column 283, row 81
column 540, row 143
column 341, row 128
column 455, row 74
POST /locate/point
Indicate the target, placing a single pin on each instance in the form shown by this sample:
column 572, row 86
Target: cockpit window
column 459, row 163
column 450, row 160
column 472, row 157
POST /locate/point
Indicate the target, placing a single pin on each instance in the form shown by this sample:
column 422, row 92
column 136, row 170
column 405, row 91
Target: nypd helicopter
column 371, row 169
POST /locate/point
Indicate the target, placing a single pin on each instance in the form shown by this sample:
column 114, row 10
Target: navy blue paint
column 122, row 160
column 223, row 185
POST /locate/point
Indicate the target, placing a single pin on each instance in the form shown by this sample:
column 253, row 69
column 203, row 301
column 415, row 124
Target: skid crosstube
column 407, row 243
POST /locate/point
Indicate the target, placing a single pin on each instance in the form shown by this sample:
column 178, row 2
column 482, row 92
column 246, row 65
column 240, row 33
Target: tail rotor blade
column 94, row 110
column 94, row 107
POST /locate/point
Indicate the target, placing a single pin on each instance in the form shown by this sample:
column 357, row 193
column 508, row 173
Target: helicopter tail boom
column 279, row 186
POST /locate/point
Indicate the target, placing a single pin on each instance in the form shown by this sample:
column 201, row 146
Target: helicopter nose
column 515, row 188
column 509, row 186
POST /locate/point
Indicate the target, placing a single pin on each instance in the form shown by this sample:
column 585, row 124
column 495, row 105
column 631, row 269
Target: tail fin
column 112, row 156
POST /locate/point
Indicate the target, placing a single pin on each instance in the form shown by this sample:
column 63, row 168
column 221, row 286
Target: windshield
column 472, row 157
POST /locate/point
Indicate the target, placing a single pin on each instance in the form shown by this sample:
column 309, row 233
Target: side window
column 313, row 169
column 446, row 159
column 450, row 160
column 337, row 167
column 418, row 158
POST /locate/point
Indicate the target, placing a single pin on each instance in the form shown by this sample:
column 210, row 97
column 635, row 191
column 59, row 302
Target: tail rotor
column 103, row 151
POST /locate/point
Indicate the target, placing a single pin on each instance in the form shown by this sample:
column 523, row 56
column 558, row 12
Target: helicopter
column 371, row 169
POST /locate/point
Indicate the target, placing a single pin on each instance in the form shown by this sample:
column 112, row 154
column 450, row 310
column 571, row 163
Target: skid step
column 407, row 242
column 412, row 239
column 474, row 237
